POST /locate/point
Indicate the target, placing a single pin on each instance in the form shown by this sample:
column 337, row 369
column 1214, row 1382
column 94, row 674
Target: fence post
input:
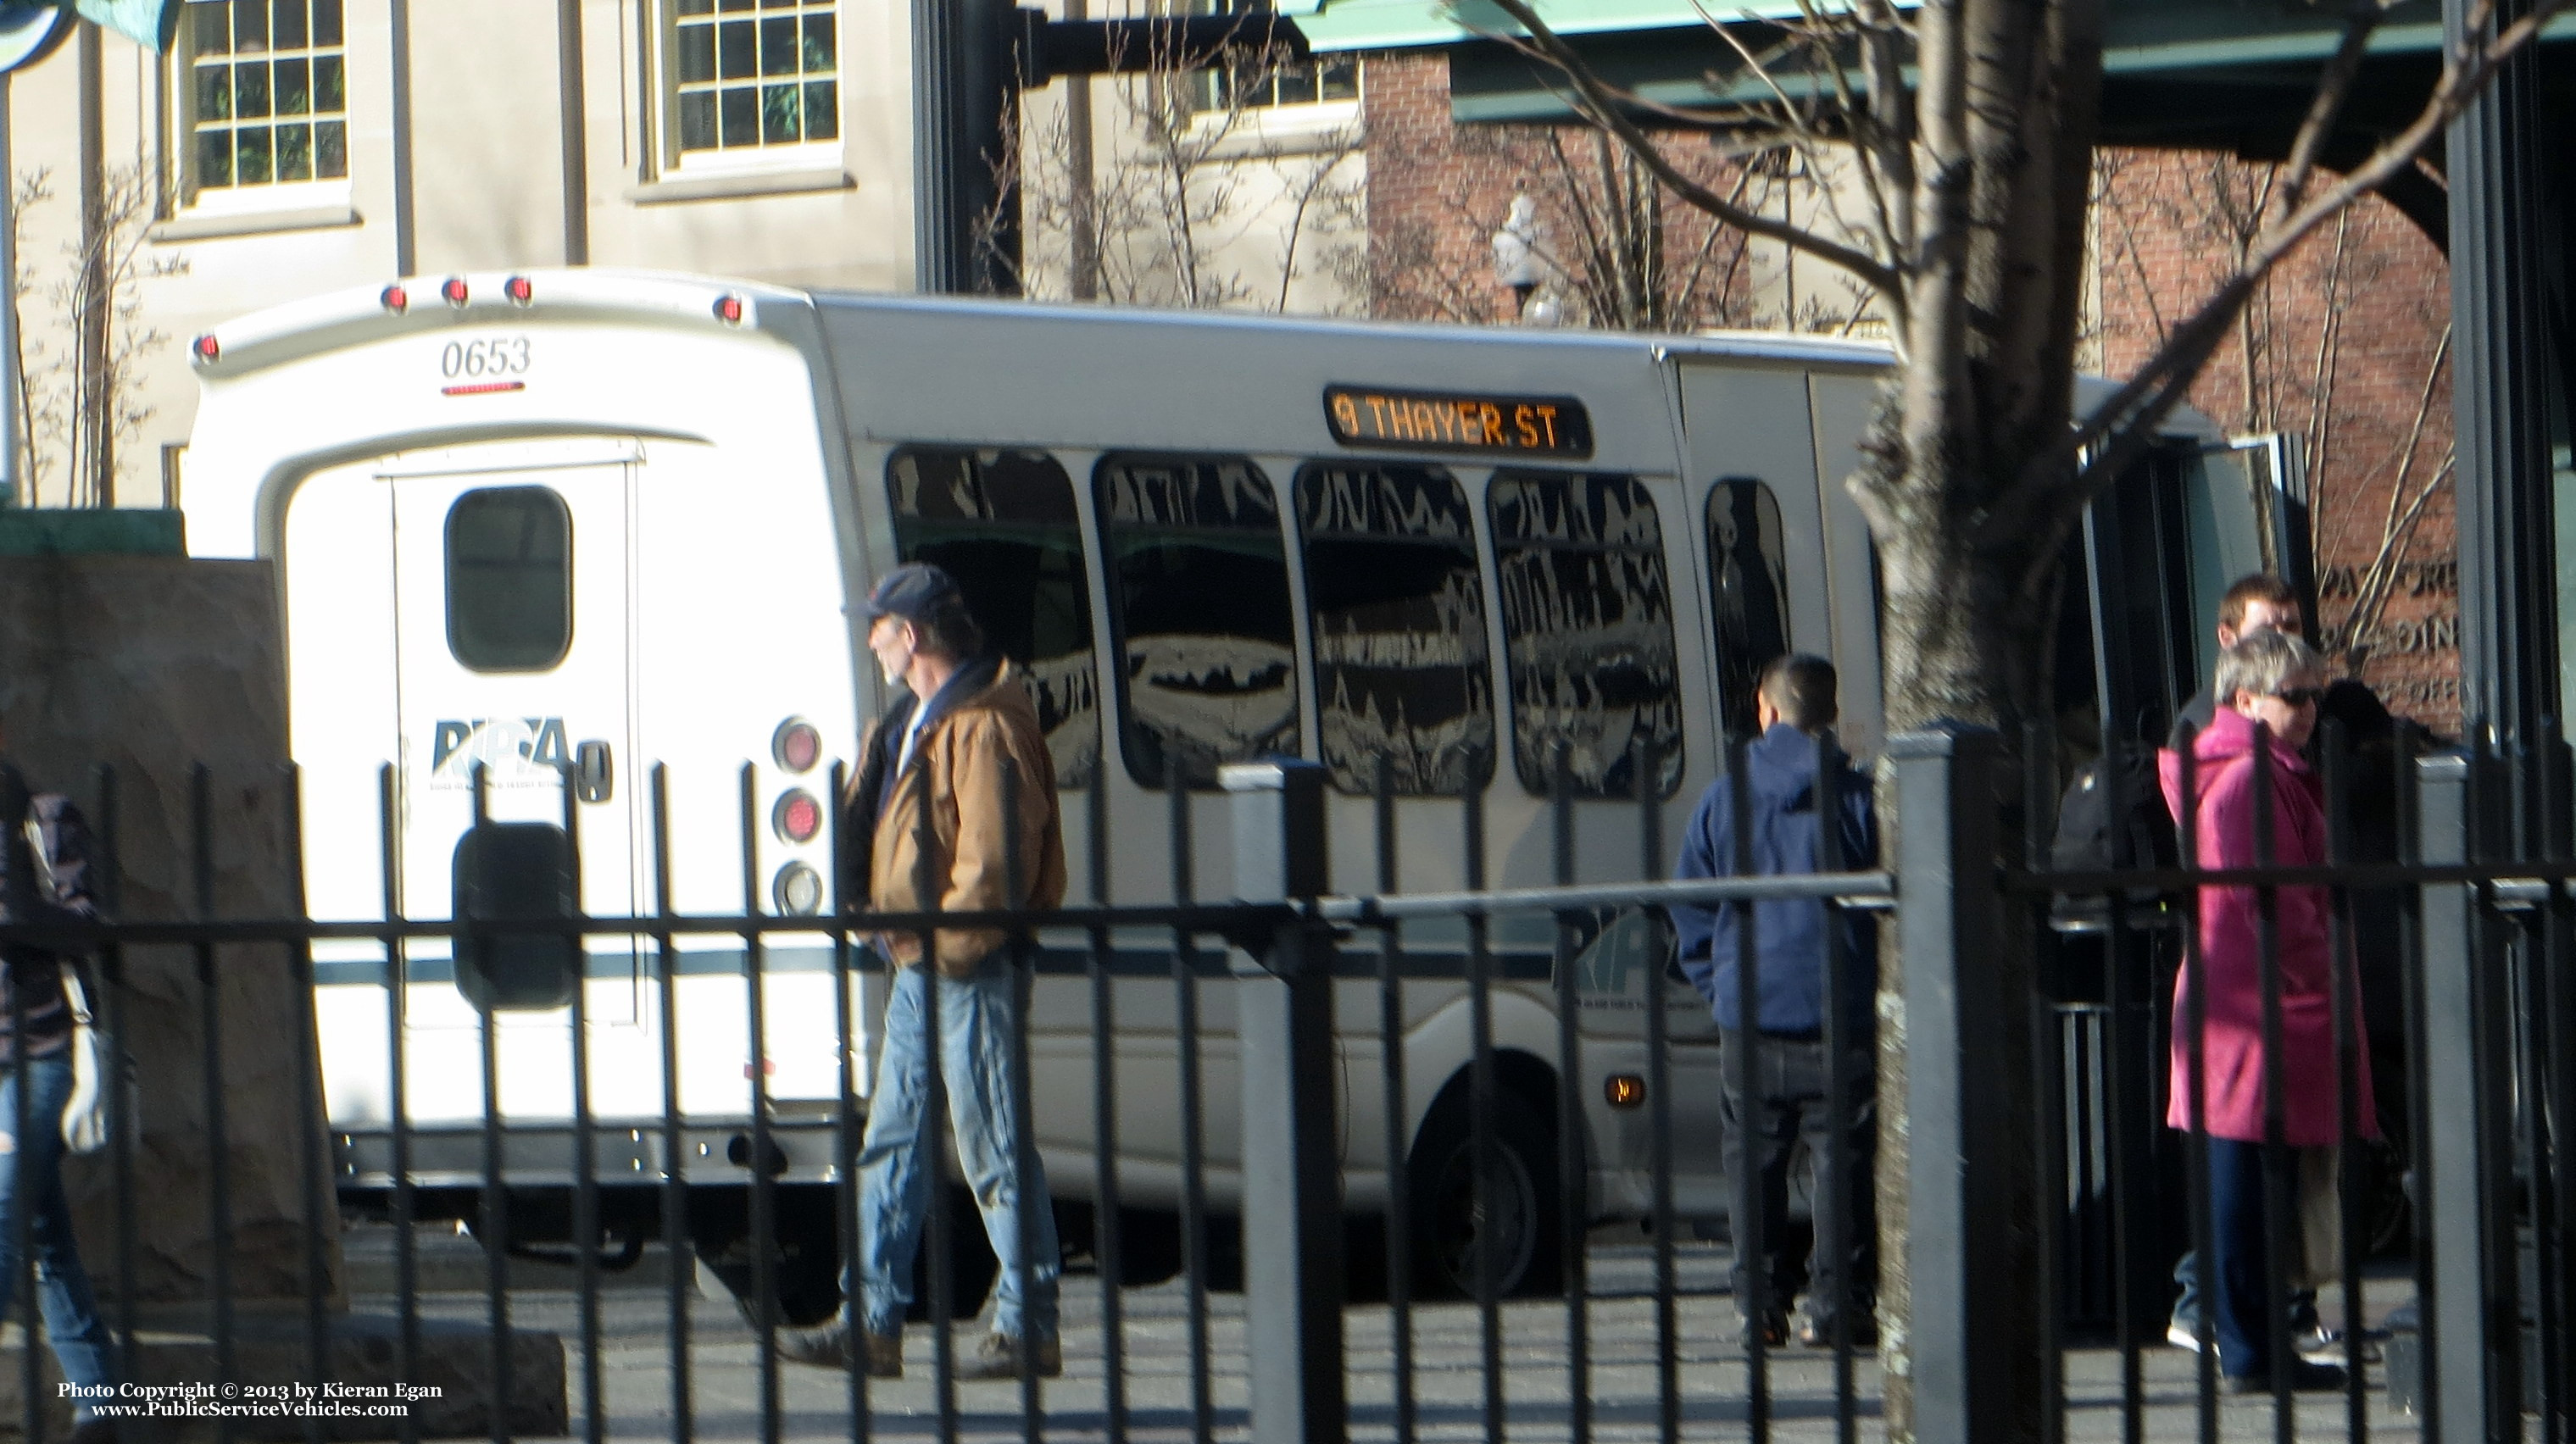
column 1958, row 1088
column 1292, row 1187
column 2464, row 1166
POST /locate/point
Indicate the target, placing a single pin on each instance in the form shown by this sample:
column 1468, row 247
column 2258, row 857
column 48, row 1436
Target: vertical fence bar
column 2350, row 1064
column 2413, row 840
column 309, row 1121
column 219, row 1173
column 764, row 1147
column 2536, row 1128
column 1396, row 1113
column 2280, row 1182
column 2055, row 1112
column 1834, row 1172
column 1107, row 1228
column 585, row 1162
column 2129, row 1063
column 493, row 1223
column 21, row 864
column 2193, row 985
column 1018, row 954
column 1481, row 1098
column 675, row 1181
column 397, row 1096
column 2467, row 1144
column 1572, row 1185
column 2557, row 923
column 1949, row 922
column 1645, row 766
column 849, row 894
column 932, row 1157
column 1185, row 1002
column 124, row 1127
column 1292, row 1196
column 1748, row 1226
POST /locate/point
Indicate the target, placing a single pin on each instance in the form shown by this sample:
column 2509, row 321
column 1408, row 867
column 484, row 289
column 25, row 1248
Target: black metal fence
column 1534, row 1254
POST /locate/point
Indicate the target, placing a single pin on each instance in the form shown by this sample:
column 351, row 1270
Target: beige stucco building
column 289, row 147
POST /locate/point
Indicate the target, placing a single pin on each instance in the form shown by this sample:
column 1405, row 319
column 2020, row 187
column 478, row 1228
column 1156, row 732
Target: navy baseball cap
column 914, row 591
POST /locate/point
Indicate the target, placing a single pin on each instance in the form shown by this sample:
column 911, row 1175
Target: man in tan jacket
column 953, row 810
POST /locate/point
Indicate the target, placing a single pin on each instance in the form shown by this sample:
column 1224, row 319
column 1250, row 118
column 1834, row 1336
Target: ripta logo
column 514, row 751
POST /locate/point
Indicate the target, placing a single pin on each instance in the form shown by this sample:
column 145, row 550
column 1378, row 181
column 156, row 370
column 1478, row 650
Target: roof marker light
column 729, row 310
column 519, row 290
column 395, row 299
column 454, row 290
column 207, row 347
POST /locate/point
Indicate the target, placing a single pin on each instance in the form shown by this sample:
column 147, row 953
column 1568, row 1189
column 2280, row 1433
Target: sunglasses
column 2302, row 696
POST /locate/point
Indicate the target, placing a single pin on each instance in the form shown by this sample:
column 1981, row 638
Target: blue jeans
column 31, row 1176
column 979, row 1034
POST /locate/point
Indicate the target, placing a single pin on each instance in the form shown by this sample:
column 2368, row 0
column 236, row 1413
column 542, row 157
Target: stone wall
column 153, row 666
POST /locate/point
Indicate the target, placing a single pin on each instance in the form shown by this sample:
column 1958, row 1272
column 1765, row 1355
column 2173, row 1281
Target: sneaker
column 2305, row 1378
column 1772, row 1330
column 2325, row 1344
column 1815, row 1333
column 827, row 1346
column 999, row 1357
column 2183, row 1335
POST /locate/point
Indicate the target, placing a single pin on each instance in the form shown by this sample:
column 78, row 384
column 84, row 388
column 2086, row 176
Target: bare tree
column 81, row 401
column 1196, row 206
column 1970, row 126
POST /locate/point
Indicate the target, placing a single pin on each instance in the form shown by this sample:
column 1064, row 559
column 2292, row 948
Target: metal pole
column 11, row 418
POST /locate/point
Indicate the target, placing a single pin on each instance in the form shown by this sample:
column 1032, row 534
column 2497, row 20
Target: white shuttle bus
column 568, row 526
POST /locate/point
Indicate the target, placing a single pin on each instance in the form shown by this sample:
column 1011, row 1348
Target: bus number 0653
column 496, row 356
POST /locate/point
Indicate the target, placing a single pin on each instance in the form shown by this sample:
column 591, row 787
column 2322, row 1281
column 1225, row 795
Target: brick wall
column 1438, row 191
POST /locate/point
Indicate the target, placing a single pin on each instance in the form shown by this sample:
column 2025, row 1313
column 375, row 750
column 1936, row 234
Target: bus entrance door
column 514, row 654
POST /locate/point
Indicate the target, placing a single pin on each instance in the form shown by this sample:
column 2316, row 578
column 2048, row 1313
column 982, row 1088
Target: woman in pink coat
column 2275, row 680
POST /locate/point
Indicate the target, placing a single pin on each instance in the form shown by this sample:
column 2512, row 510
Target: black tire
column 805, row 1259
column 1448, row 1234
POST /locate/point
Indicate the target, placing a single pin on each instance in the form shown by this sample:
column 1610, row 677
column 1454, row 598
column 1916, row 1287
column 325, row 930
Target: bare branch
column 1608, row 107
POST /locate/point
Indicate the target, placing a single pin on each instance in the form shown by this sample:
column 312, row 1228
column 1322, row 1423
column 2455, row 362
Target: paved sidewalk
column 1448, row 1382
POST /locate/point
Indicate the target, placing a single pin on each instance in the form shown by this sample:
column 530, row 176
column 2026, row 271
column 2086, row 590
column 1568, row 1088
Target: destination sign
column 1458, row 421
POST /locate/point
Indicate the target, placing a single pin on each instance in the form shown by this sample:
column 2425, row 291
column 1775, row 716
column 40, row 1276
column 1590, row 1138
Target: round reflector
column 207, row 347
column 454, row 290
column 519, row 290
column 797, row 817
column 396, row 299
column 797, row 890
column 796, row 745
column 729, row 310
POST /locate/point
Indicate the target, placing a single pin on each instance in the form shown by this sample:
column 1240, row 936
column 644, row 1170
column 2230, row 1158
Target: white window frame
column 669, row 161
column 193, row 199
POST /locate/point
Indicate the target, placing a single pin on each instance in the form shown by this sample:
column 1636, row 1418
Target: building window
column 1748, row 592
column 1587, row 630
column 1264, row 79
column 1198, row 593
column 266, row 94
column 754, row 74
column 1397, row 603
column 1003, row 524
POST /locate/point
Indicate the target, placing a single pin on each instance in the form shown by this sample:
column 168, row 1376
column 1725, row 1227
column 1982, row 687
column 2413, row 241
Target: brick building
column 2341, row 348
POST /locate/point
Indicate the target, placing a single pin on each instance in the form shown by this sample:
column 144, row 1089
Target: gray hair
column 2263, row 663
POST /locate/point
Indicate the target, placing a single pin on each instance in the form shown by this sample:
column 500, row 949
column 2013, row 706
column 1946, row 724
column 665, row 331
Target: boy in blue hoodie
column 1796, row 944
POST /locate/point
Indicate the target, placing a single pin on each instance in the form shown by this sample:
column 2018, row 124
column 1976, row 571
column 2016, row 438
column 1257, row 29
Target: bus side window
column 1587, row 628
column 1398, row 614
column 509, row 579
column 1748, row 585
column 1003, row 524
column 1198, row 598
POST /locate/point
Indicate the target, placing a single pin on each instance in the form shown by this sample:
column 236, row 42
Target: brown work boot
column 827, row 1346
column 998, row 1357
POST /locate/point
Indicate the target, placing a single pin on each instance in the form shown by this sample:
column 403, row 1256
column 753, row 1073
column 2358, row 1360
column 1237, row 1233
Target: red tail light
column 798, row 816
column 729, row 310
column 454, row 290
column 207, row 347
column 519, row 290
column 796, row 745
column 396, row 299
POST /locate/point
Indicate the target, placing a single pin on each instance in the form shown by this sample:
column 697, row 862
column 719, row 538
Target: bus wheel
column 1519, row 1229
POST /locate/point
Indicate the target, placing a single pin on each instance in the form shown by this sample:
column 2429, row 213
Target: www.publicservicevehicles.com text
column 247, row 1401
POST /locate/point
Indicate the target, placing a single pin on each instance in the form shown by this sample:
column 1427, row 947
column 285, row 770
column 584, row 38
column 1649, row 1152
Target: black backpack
column 2090, row 839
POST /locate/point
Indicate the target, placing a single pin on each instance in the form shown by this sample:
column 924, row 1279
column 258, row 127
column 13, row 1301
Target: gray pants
column 1788, row 1106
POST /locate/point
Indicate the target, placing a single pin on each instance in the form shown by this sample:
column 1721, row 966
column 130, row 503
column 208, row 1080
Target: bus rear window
column 509, row 579
column 1198, row 595
column 1003, row 524
column 1748, row 586
column 1397, row 608
column 1587, row 630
